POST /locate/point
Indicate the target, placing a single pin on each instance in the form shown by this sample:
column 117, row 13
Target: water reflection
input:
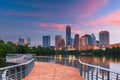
column 110, row 63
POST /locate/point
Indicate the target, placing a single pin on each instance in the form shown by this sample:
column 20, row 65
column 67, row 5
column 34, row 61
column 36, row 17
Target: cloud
column 111, row 18
column 53, row 26
column 116, row 22
column 58, row 27
column 92, row 6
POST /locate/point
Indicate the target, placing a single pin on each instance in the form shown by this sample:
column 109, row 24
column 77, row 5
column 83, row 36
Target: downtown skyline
column 35, row 19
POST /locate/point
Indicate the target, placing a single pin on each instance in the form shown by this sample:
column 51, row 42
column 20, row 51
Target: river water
column 111, row 63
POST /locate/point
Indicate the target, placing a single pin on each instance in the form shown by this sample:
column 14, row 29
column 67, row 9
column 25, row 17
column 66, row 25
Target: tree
column 11, row 47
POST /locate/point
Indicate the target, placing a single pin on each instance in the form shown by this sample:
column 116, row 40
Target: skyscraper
column 46, row 41
column 94, row 42
column 59, row 42
column 77, row 42
column 89, row 39
column 104, row 39
column 21, row 41
column 28, row 42
column 68, row 35
column 83, row 43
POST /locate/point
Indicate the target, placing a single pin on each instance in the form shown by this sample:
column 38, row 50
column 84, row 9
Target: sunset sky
column 35, row 18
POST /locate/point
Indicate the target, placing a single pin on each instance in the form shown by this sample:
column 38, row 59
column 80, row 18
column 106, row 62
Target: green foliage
column 9, row 47
column 2, row 48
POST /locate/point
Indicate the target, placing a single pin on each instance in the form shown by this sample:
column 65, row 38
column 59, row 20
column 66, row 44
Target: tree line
column 108, row 52
column 10, row 47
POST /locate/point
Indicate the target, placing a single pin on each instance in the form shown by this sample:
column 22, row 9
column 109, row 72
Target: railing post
column 92, row 74
column 21, row 71
column 80, row 68
column 117, row 77
column 97, row 74
column 15, row 73
column 102, row 74
column 88, row 73
column 108, row 76
column 84, row 71
column 8, row 73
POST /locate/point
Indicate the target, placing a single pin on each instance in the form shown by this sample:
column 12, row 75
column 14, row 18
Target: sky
column 36, row 18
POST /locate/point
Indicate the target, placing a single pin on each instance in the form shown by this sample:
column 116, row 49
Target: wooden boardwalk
column 49, row 71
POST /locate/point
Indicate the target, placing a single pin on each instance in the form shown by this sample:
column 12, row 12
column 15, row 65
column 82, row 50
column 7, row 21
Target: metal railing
column 16, row 72
column 88, row 71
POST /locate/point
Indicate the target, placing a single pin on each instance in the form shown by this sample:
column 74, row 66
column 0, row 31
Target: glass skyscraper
column 68, row 35
column 104, row 39
column 46, row 41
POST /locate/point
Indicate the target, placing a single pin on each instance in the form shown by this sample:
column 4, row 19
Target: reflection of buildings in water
column 103, row 62
column 115, row 60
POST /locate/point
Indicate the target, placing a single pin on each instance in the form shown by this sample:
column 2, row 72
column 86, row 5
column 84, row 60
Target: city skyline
column 35, row 19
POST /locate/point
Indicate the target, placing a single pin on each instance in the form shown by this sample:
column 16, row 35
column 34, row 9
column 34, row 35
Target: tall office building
column 46, row 41
column 59, row 42
column 72, row 42
column 94, row 42
column 83, row 43
column 77, row 42
column 28, row 42
column 104, row 39
column 68, row 35
column 21, row 41
column 89, row 39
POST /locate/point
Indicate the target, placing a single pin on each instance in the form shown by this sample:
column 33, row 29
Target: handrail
column 98, row 67
column 17, row 65
column 17, row 72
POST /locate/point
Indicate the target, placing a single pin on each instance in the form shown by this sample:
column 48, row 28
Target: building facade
column 104, row 39
column 46, row 41
column 28, row 42
column 21, row 41
column 68, row 35
column 59, row 42
column 89, row 39
column 77, row 42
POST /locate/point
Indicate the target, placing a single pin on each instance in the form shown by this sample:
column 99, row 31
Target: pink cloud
column 116, row 22
column 92, row 6
column 59, row 27
column 112, row 18
column 56, row 26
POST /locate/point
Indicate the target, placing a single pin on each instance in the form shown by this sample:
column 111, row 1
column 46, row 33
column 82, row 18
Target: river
column 110, row 63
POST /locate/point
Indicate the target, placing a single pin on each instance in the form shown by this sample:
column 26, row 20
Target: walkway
column 49, row 71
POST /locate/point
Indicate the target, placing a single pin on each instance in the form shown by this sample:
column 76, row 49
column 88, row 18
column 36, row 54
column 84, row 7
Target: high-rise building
column 68, row 35
column 83, row 43
column 94, row 42
column 21, row 41
column 72, row 42
column 89, row 39
column 104, row 39
column 77, row 42
column 59, row 42
column 46, row 41
column 28, row 42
